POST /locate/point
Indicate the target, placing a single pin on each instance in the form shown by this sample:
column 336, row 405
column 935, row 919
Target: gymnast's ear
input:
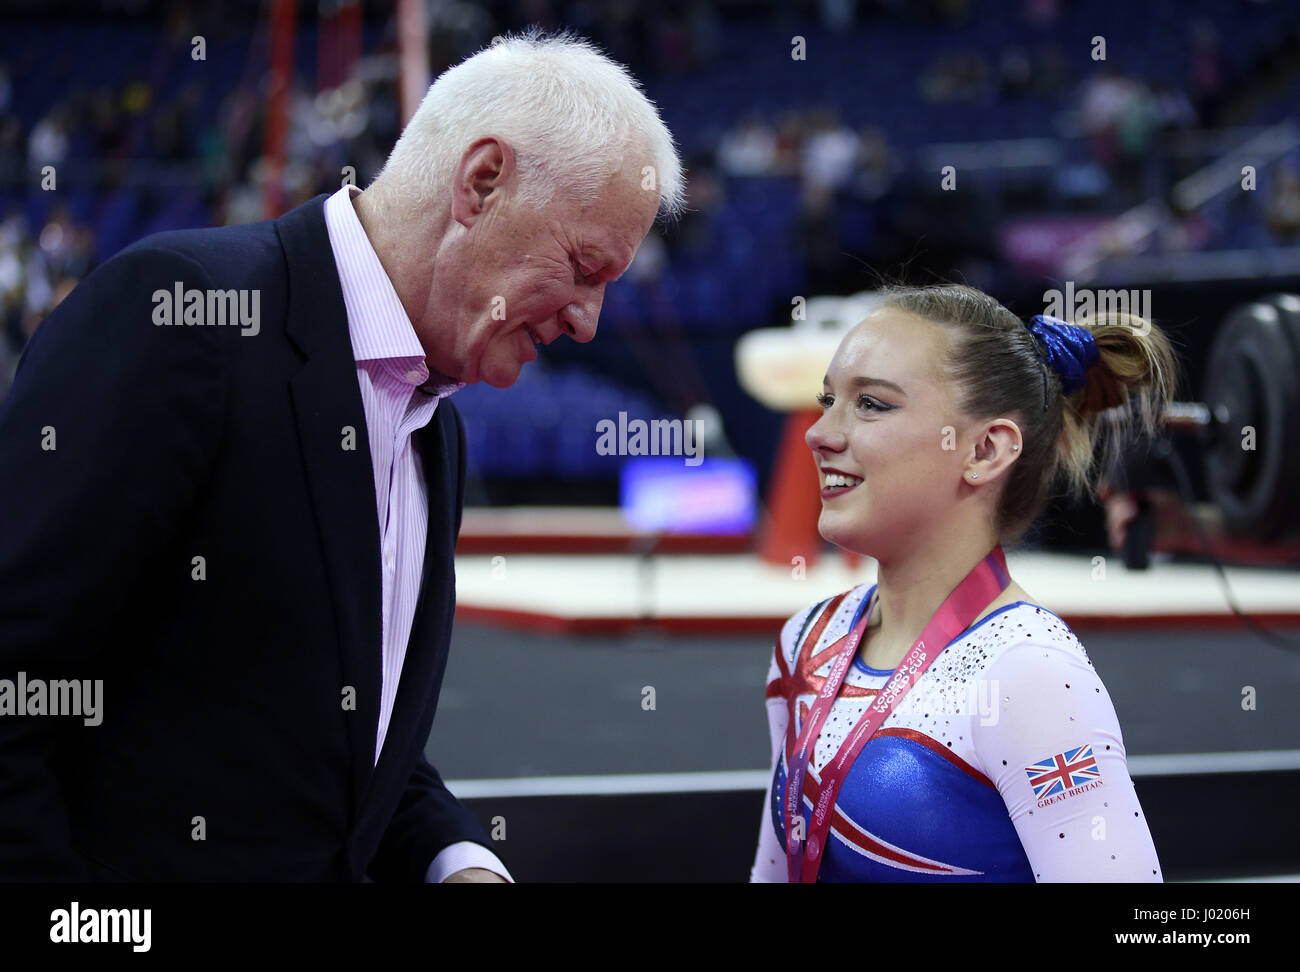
column 995, row 451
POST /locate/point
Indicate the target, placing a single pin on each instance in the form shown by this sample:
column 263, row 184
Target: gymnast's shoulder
column 842, row 607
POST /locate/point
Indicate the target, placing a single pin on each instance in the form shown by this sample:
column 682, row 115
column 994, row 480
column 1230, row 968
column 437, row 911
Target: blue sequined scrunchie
column 1068, row 349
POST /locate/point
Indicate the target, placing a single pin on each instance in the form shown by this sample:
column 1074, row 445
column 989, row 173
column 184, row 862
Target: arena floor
column 546, row 729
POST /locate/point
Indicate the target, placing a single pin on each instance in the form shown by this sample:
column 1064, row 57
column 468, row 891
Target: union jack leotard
column 1003, row 763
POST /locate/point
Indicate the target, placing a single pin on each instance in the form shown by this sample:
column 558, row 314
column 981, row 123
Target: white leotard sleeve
column 1051, row 701
column 769, row 859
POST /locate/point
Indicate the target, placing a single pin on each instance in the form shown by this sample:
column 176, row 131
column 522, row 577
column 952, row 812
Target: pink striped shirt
column 390, row 367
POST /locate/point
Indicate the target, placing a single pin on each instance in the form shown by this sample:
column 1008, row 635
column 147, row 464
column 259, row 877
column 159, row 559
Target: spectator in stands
column 748, row 148
column 875, row 170
column 1173, row 109
column 1137, row 172
column 817, row 235
column 830, row 152
column 48, row 142
column 789, row 139
column 695, row 235
column 1105, row 100
column 1206, row 75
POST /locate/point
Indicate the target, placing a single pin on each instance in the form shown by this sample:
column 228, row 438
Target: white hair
column 570, row 114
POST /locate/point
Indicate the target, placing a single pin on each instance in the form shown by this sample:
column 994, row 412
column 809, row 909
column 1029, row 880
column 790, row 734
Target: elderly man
column 231, row 481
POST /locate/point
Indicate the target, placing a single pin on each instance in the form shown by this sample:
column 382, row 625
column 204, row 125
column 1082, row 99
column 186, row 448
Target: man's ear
column 484, row 172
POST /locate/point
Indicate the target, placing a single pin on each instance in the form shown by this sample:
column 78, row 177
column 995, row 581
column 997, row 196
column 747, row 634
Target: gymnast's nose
column 822, row 437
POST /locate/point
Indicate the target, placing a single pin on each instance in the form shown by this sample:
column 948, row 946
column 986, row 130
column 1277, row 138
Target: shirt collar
column 440, row 384
column 378, row 325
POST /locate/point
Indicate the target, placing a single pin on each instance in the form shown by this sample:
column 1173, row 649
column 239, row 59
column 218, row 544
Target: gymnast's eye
column 865, row 402
column 869, row 404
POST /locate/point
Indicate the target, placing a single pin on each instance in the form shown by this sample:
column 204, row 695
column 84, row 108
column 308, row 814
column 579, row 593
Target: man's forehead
column 628, row 195
column 617, row 233
column 629, row 214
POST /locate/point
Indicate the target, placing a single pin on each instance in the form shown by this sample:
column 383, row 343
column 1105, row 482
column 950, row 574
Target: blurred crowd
column 854, row 204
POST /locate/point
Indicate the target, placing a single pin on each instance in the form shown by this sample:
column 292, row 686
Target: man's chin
column 500, row 374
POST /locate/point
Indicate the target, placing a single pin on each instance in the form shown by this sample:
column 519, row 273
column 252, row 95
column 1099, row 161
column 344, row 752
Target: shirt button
column 416, row 376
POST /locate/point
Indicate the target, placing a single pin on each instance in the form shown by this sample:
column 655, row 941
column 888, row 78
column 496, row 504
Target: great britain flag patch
column 1062, row 772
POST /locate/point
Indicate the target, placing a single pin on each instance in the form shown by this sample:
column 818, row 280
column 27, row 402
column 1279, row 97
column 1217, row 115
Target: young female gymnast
column 939, row 724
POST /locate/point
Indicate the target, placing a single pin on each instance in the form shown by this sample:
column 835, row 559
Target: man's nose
column 580, row 317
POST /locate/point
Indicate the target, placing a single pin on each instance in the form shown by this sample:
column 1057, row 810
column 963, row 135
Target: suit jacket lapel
column 327, row 402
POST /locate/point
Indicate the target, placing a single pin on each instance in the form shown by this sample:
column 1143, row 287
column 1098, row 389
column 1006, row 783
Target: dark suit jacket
column 225, row 697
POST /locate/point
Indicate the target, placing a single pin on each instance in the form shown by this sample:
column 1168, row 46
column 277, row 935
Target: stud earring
column 974, row 475
column 1015, row 448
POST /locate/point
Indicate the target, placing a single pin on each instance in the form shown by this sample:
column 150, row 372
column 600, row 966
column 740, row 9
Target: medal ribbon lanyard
column 986, row 581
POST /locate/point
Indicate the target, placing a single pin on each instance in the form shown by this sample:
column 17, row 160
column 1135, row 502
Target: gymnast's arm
column 1050, row 700
column 769, row 859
